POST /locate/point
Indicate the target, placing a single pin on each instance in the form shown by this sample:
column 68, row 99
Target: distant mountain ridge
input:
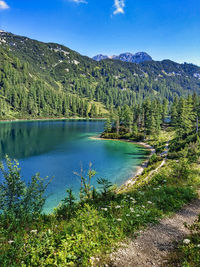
column 126, row 57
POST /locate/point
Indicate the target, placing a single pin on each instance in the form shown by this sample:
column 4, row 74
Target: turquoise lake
column 59, row 148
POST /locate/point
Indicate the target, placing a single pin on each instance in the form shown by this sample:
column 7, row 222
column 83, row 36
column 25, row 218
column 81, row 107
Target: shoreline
column 53, row 119
column 131, row 181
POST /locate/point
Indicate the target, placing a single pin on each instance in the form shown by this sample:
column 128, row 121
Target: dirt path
column 152, row 246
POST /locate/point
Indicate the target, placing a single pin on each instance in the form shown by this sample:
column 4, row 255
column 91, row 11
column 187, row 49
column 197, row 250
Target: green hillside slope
column 50, row 80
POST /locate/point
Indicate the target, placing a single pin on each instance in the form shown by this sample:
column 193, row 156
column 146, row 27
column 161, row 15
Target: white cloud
column 119, row 7
column 79, row 1
column 3, row 5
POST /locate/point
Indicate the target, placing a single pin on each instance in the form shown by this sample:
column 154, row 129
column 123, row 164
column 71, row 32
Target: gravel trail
column 153, row 245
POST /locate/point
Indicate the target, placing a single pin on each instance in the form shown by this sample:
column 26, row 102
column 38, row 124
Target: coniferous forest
column 43, row 80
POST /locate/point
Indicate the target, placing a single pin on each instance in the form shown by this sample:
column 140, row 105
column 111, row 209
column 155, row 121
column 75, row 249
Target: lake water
column 59, row 148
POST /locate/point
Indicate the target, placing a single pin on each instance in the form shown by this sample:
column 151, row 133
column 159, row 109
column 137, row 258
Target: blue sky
column 164, row 28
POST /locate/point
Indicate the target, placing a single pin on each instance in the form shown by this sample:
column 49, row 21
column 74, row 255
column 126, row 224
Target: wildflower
column 127, row 215
column 198, row 245
column 143, row 206
column 149, row 202
column 119, row 220
column 33, row 231
column 118, row 207
column 131, row 209
column 92, row 259
column 137, row 215
column 10, row 242
column 186, row 241
column 104, row 209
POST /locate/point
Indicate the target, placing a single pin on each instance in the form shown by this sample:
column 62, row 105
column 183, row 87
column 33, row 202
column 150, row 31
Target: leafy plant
column 105, row 186
column 86, row 190
column 18, row 200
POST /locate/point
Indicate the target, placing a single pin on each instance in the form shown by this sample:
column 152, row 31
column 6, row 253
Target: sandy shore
column 131, row 181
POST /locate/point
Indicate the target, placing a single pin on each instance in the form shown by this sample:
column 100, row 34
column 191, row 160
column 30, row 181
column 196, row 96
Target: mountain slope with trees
column 50, row 80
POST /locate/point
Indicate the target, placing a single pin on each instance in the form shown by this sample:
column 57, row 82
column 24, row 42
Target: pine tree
column 108, row 126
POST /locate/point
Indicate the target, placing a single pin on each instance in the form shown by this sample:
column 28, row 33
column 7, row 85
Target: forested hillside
column 50, row 80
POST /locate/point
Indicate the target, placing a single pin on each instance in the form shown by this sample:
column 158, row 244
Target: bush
column 110, row 135
column 154, row 158
column 18, row 200
column 138, row 137
column 181, row 169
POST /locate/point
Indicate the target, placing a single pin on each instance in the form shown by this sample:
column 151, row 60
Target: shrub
column 18, row 200
column 154, row 158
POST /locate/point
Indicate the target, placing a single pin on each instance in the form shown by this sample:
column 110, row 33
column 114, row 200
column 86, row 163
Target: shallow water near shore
column 59, row 148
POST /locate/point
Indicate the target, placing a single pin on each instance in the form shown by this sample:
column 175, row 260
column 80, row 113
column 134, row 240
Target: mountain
column 127, row 57
column 100, row 57
column 39, row 80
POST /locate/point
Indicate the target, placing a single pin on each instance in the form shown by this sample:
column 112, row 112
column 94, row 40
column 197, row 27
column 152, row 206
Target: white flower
column 186, row 241
column 127, row 215
column 33, row 231
column 131, row 209
column 10, row 241
column 143, row 206
column 137, row 215
column 118, row 207
column 104, row 209
column 198, row 245
column 119, row 220
column 149, row 202
column 92, row 259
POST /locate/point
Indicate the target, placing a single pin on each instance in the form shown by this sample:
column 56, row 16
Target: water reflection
column 26, row 139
